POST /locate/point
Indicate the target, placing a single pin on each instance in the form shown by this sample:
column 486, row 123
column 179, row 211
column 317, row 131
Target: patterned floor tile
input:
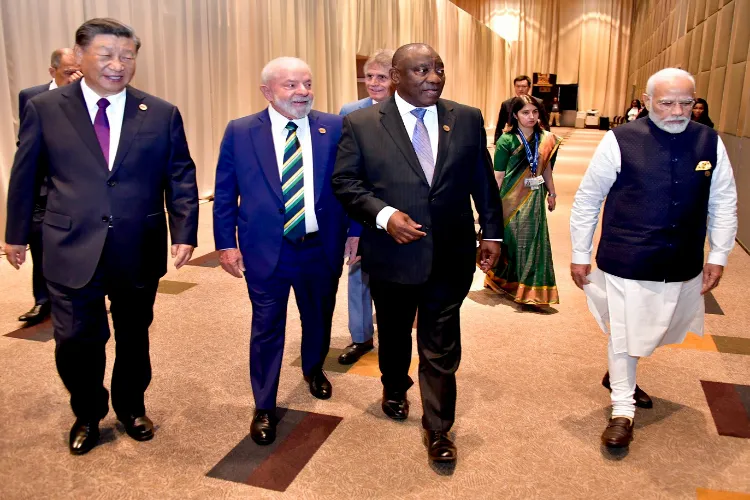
column 41, row 332
column 712, row 306
column 331, row 363
column 698, row 343
column 728, row 409
column 368, row 365
column 174, row 287
column 732, row 345
column 299, row 435
column 705, row 494
column 209, row 260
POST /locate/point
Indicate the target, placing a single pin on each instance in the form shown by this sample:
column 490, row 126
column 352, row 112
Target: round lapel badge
column 143, row 107
column 322, row 130
column 446, row 128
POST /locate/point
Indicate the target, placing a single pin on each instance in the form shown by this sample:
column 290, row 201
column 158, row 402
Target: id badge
column 533, row 183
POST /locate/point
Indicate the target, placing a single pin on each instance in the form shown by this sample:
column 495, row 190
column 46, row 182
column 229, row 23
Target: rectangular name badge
column 533, row 183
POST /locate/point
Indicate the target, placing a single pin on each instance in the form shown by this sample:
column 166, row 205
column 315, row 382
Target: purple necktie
column 101, row 127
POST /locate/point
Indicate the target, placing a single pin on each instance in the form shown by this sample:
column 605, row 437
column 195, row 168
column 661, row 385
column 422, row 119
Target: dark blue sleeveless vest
column 654, row 222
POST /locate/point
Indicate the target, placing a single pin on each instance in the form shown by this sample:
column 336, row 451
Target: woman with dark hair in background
column 700, row 113
column 633, row 111
column 524, row 158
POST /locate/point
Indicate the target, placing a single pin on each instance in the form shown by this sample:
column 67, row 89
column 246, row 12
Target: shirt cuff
column 581, row 258
column 222, row 249
column 490, row 239
column 718, row 258
column 383, row 216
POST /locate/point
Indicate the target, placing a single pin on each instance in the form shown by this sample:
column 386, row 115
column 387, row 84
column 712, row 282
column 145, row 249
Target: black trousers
column 41, row 296
column 438, row 302
column 81, row 328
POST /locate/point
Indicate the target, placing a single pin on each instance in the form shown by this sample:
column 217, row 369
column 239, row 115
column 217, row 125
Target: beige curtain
column 583, row 41
column 205, row 56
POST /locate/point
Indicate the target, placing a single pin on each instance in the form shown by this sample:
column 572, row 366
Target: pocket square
column 704, row 165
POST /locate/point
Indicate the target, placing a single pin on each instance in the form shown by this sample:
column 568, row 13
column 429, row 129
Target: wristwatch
column 552, row 195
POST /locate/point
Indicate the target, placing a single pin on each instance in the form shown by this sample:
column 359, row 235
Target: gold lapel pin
column 446, row 128
column 322, row 130
column 143, row 107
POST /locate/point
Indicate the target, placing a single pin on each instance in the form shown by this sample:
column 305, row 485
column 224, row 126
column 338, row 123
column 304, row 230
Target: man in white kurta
column 648, row 240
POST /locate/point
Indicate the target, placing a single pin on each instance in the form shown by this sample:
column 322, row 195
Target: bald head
column 287, row 85
column 63, row 67
column 418, row 74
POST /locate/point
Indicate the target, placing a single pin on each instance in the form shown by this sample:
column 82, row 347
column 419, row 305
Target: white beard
column 291, row 111
column 672, row 128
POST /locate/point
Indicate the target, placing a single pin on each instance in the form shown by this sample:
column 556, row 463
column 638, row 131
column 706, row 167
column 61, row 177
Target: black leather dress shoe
column 355, row 351
column 619, row 433
column 642, row 400
column 320, row 387
column 84, row 435
column 36, row 314
column 395, row 405
column 139, row 428
column 439, row 447
column 263, row 428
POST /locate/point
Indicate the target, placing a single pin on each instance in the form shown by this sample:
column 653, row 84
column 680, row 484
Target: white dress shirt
column 410, row 121
column 52, row 85
column 279, row 132
column 115, row 113
column 602, row 173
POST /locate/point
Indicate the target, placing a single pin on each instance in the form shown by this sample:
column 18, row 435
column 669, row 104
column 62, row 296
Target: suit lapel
column 446, row 120
column 262, row 139
column 132, row 120
column 319, row 139
column 74, row 108
column 394, row 125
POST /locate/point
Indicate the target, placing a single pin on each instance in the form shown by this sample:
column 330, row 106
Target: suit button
column 105, row 218
column 111, row 183
column 281, row 211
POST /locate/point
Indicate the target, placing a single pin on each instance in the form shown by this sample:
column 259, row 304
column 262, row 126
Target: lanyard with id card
column 534, row 181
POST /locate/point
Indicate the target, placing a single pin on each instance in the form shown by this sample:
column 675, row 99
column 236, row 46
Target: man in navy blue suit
column 63, row 69
column 290, row 227
column 378, row 82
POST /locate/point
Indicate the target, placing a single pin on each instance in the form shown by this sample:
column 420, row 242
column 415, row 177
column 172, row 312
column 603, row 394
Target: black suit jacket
column 87, row 203
column 504, row 116
column 23, row 98
column 376, row 166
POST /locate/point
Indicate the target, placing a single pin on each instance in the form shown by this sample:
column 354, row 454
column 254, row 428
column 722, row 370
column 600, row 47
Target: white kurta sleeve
column 722, row 209
column 595, row 185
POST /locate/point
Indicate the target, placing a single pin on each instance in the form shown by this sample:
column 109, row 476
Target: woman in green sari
column 524, row 158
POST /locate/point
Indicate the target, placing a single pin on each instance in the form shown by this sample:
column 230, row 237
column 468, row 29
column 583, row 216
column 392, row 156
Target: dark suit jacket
column 248, row 169
column 152, row 164
column 23, row 98
column 376, row 166
column 504, row 116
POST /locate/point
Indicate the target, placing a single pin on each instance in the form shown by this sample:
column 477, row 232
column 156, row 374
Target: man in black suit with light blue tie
column 115, row 157
column 64, row 70
column 407, row 169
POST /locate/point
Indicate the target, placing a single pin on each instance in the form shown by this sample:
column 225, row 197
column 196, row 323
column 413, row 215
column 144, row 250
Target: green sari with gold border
column 525, row 269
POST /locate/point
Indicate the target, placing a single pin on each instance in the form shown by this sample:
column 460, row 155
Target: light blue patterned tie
column 421, row 142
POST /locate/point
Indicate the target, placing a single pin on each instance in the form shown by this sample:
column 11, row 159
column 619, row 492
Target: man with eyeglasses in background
column 662, row 177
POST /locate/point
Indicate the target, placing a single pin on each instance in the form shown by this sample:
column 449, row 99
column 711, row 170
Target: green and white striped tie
column 293, row 186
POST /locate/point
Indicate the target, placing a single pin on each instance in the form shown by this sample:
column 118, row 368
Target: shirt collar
column 279, row 121
column 52, row 85
column 405, row 108
column 92, row 97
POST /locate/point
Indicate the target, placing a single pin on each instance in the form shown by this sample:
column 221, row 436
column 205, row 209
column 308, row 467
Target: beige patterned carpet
column 530, row 407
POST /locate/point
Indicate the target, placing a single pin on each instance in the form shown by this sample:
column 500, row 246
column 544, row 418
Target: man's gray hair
column 273, row 66
column 667, row 74
column 56, row 57
column 382, row 58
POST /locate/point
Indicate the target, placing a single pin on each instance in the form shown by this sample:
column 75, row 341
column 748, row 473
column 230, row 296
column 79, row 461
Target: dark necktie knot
column 419, row 113
column 291, row 126
column 102, row 103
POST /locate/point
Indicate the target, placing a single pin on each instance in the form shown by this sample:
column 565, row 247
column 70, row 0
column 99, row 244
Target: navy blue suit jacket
column 248, row 170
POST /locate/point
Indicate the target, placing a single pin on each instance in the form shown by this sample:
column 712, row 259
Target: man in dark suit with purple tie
column 291, row 229
column 115, row 157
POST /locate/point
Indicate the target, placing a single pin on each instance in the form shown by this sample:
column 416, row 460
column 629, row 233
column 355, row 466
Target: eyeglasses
column 669, row 104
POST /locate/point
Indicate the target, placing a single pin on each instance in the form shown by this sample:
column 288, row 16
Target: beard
column 673, row 126
column 288, row 108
